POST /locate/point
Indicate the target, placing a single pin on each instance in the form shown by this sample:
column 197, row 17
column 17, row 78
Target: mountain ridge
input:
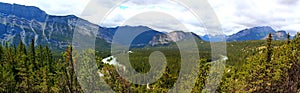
column 56, row 31
column 257, row 33
column 20, row 22
column 175, row 36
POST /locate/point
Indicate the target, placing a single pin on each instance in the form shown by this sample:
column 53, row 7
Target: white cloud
column 57, row 7
column 163, row 15
column 234, row 15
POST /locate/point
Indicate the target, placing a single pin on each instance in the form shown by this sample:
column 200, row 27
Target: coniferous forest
column 186, row 46
column 254, row 66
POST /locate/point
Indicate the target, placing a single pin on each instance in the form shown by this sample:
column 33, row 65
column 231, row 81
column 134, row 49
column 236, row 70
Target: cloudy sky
column 167, row 15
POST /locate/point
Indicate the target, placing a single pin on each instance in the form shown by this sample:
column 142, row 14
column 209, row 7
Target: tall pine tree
column 269, row 48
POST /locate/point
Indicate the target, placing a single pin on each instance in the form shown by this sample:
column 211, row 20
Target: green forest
column 252, row 66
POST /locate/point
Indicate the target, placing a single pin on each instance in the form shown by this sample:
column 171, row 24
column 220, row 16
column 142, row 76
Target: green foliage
column 278, row 74
column 253, row 66
column 32, row 71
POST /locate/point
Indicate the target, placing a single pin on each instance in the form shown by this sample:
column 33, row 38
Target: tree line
column 269, row 67
column 34, row 69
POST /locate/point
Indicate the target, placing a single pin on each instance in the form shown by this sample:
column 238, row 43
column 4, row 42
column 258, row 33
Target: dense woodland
column 271, row 69
column 253, row 66
column 34, row 69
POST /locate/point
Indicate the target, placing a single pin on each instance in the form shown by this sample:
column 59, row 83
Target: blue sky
column 234, row 15
column 123, row 7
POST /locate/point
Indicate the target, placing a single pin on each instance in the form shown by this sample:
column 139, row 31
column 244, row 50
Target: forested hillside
column 272, row 69
column 253, row 66
column 34, row 69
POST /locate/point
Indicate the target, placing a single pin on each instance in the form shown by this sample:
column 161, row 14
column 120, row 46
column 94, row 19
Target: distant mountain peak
column 22, row 11
column 258, row 28
column 258, row 33
column 263, row 27
column 171, row 37
column 128, row 26
column 177, row 31
column 255, row 33
column 214, row 38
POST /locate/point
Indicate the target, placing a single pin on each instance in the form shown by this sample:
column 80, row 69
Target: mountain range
column 257, row 33
column 175, row 36
column 23, row 23
column 19, row 22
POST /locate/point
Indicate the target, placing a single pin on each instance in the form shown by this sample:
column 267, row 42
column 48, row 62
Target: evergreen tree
column 269, row 47
column 70, row 74
column 1, row 54
column 7, row 81
column 288, row 38
column 32, row 54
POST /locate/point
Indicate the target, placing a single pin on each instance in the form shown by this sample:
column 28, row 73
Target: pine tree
column 269, row 48
column 288, row 38
column 32, row 54
column 1, row 54
column 39, row 56
column 33, row 68
column 7, row 79
column 7, row 83
column 48, row 69
column 22, row 69
column 70, row 75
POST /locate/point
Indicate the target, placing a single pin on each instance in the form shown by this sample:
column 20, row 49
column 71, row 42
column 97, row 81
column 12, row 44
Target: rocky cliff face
column 176, row 36
column 279, row 35
column 18, row 22
column 54, row 31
